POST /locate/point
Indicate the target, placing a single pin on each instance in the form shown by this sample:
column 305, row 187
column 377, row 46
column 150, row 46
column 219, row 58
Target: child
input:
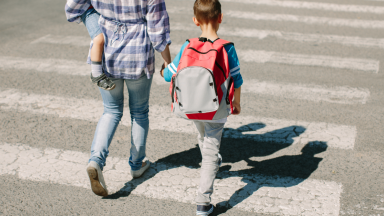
column 207, row 15
column 90, row 19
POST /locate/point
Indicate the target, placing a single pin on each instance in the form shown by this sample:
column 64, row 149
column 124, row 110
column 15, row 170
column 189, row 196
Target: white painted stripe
column 268, row 194
column 292, row 36
column 315, row 5
column 261, row 56
column 315, row 93
column 259, row 128
column 311, row 20
column 341, row 95
column 62, row 66
column 59, row 39
column 241, row 32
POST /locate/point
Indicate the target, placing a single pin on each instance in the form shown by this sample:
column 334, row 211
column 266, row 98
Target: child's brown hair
column 207, row 10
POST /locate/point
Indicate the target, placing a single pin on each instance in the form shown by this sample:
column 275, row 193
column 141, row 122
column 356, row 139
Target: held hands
column 162, row 69
column 236, row 107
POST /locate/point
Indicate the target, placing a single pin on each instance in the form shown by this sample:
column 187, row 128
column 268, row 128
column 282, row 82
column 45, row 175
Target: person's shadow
column 242, row 144
column 296, row 167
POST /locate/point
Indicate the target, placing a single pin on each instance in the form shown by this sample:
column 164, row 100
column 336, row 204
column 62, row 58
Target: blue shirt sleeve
column 234, row 65
column 172, row 68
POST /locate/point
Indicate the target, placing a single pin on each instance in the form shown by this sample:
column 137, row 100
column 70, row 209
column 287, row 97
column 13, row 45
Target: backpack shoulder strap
column 220, row 43
column 193, row 40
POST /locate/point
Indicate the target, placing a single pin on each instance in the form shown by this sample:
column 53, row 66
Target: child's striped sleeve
column 172, row 68
column 234, row 65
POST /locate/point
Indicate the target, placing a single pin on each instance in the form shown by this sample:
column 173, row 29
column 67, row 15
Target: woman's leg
column 139, row 107
column 113, row 111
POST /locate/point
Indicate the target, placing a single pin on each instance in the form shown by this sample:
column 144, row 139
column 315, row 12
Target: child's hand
column 236, row 108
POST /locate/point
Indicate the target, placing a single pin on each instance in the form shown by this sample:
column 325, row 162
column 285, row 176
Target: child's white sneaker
column 138, row 173
column 97, row 179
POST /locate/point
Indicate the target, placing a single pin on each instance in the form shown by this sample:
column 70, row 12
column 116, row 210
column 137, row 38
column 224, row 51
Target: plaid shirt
column 132, row 30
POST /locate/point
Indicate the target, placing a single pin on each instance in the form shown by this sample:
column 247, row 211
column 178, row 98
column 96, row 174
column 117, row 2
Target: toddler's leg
column 96, row 54
column 91, row 20
column 210, row 163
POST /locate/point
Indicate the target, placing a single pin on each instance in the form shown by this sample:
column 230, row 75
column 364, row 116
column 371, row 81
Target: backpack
column 202, row 88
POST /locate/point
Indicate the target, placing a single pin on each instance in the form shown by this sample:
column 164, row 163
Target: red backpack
column 202, row 88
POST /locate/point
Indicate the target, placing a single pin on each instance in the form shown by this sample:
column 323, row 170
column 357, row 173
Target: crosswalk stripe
column 262, row 56
column 62, row 66
column 353, row 23
column 315, row 5
column 68, row 40
column 341, row 95
column 240, row 32
column 261, row 194
column 316, row 93
column 291, row 36
column 238, row 127
column 311, row 20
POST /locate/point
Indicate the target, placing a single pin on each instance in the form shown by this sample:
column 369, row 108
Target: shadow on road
column 245, row 147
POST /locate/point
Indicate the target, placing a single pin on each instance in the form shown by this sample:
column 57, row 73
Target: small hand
column 236, row 108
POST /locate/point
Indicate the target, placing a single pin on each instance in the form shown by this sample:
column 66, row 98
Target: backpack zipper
column 173, row 89
column 201, row 52
column 217, row 64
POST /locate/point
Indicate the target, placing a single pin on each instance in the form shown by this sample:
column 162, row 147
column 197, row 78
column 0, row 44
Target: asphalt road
column 309, row 140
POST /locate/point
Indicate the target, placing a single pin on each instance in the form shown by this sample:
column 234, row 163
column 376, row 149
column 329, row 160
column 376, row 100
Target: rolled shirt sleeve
column 158, row 24
column 75, row 8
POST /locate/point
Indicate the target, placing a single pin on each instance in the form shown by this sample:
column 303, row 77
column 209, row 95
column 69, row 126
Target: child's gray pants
column 209, row 142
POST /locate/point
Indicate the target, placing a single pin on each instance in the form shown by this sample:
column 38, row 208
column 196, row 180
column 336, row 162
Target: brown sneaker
column 97, row 180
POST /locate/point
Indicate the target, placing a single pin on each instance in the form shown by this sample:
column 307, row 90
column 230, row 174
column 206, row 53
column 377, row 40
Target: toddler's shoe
column 97, row 180
column 138, row 173
column 204, row 210
column 103, row 82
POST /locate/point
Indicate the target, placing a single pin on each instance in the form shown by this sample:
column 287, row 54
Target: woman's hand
column 162, row 70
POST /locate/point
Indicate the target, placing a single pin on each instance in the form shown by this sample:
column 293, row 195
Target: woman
column 132, row 30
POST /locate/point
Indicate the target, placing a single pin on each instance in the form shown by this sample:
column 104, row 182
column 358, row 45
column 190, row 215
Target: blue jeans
column 138, row 91
column 90, row 19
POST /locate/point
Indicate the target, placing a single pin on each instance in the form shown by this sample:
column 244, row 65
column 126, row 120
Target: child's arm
column 171, row 69
column 234, row 67
column 236, row 101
